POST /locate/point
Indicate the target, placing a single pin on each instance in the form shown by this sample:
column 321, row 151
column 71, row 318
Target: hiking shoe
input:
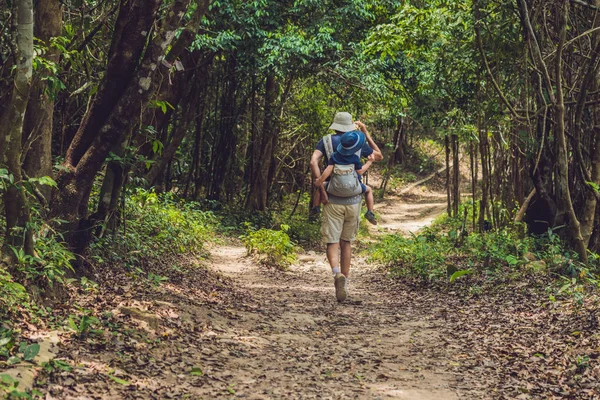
column 370, row 216
column 340, row 287
column 313, row 214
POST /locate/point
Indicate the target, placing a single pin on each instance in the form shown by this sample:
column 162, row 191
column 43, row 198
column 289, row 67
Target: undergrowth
column 445, row 252
column 291, row 212
column 155, row 226
column 272, row 248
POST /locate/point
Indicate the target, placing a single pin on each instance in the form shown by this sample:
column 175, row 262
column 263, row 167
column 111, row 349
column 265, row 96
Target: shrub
column 273, row 248
column 155, row 226
column 12, row 295
column 432, row 254
column 422, row 256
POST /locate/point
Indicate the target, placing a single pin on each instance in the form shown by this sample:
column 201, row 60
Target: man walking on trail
column 341, row 215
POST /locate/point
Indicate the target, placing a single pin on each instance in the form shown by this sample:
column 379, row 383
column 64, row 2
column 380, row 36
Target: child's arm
column 365, row 167
column 326, row 174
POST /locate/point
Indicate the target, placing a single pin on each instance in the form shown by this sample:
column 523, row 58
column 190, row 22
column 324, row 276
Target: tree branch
column 487, row 65
column 588, row 5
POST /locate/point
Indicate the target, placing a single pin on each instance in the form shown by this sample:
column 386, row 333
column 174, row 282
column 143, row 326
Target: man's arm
column 376, row 156
column 314, row 164
column 316, row 173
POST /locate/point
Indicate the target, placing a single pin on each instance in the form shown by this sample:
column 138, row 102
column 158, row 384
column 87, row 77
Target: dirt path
column 409, row 213
column 299, row 343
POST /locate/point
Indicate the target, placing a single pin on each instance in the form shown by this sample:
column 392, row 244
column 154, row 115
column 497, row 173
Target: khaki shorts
column 340, row 221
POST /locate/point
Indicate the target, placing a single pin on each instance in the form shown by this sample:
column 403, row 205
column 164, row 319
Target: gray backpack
column 344, row 180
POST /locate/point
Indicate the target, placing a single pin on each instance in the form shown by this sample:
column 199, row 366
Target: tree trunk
column 134, row 22
column 185, row 97
column 110, row 192
column 591, row 81
column 485, row 174
column 398, row 156
column 473, row 160
column 11, row 127
column 75, row 182
column 37, row 135
column 257, row 199
column 223, row 150
column 455, row 176
column 565, row 202
column 448, row 181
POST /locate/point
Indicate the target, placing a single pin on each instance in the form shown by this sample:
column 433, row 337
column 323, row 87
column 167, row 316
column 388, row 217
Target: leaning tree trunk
column 11, row 127
column 75, row 183
column 134, row 21
column 398, row 156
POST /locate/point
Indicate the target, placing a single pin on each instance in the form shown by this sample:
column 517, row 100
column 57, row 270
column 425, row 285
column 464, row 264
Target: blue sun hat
column 351, row 142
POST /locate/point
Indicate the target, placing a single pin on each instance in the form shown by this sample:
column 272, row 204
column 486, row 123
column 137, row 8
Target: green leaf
column 157, row 147
column 7, row 379
column 196, row 371
column 512, row 260
column 31, row 351
column 13, row 360
column 4, row 341
column 72, row 324
column 119, row 380
column 460, row 273
column 22, row 347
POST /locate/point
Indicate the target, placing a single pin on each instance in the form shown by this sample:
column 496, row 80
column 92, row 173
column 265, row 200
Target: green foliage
column 13, row 295
column 56, row 365
column 82, row 325
column 422, row 255
column 272, row 247
column 14, row 353
column 156, row 280
column 445, row 250
column 156, row 225
column 458, row 274
column 51, row 262
column 9, row 389
column 300, row 229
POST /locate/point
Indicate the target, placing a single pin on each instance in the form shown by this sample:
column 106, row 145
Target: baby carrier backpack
column 344, row 179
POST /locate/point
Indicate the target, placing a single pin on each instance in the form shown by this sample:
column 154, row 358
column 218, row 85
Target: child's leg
column 324, row 196
column 370, row 215
column 316, row 198
column 370, row 198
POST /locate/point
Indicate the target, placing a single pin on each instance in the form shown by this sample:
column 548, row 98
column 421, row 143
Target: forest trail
column 409, row 212
column 299, row 343
column 256, row 333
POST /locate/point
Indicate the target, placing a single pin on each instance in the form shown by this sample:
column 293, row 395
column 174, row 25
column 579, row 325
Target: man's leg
column 331, row 228
column 346, row 247
column 333, row 250
column 350, row 229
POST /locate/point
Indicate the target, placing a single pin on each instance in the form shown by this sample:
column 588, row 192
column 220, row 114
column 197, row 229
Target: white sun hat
column 343, row 122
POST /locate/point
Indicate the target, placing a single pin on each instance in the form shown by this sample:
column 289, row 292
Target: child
column 345, row 155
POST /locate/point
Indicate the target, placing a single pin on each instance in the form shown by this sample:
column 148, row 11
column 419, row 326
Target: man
column 341, row 215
